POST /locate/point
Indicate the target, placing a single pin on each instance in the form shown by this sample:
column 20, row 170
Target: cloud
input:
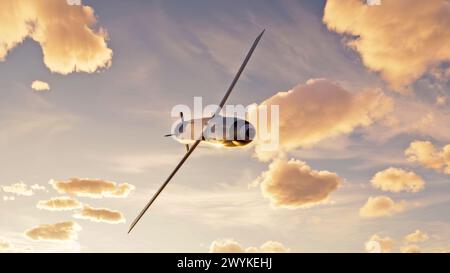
column 226, row 246
column 59, row 204
column 427, row 155
column 73, row 2
column 9, row 246
column 381, row 206
column 65, row 33
column 62, row 231
column 4, row 245
column 397, row 180
column 269, row 247
column 412, row 116
column 378, row 244
column 37, row 187
column 100, row 215
column 8, row 198
column 416, row 237
column 40, row 86
column 441, row 100
column 322, row 109
column 293, row 184
column 410, row 249
column 231, row 246
column 401, row 39
column 95, row 188
column 20, row 189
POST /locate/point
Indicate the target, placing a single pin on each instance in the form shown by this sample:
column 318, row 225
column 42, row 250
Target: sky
column 86, row 94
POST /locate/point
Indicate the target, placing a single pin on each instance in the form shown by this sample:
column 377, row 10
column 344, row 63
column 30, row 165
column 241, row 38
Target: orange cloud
column 293, row 184
column 65, row 33
column 427, row 155
column 401, row 39
column 100, row 215
column 380, row 206
column 231, row 246
column 59, row 204
column 397, row 180
column 378, row 244
column 63, row 231
column 40, row 86
column 95, row 188
column 416, row 237
column 321, row 109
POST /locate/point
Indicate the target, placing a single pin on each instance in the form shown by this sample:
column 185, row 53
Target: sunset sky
column 86, row 96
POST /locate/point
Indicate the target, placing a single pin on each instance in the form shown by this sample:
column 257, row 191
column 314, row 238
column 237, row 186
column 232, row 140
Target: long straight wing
column 164, row 184
column 189, row 152
column 238, row 74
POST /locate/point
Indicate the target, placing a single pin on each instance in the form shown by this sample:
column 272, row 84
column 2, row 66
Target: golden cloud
column 40, row 86
column 293, row 184
column 401, row 39
column 397, row 180
column 63, row 231
column 65, row 33
column 321, row 109
column 426, row 154
column 410, row 249
column 100, row 215
column 416, row 237
column 381, row 206
column 95, row 188
column 59, row 204
column 378, row 244
column 231, row 246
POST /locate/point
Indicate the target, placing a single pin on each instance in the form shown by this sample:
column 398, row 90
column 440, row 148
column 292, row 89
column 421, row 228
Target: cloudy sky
column 86, row 94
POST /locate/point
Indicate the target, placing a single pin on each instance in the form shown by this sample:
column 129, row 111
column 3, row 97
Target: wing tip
column 262, row 32
column 130, row 229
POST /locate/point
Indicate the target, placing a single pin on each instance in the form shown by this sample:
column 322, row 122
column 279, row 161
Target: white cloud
column 20, row 189
column 40, row 86
column 8, row 198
